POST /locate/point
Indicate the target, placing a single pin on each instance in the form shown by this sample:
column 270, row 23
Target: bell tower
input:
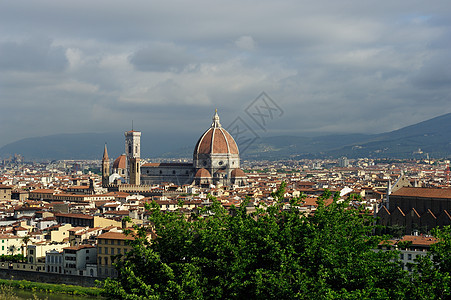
column 105, row 168
column 133, row 153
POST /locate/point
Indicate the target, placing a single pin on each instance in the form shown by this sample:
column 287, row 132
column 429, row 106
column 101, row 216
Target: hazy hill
column 432, row 136
column 88, row 146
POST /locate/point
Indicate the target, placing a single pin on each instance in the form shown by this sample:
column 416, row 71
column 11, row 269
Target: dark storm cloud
column 336, row 66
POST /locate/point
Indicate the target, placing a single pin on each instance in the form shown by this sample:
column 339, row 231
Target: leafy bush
column 274, row 253
column 51, row 288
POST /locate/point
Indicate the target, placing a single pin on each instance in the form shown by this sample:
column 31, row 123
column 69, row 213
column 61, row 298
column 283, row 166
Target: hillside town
column 61, row 219
column 70, row 217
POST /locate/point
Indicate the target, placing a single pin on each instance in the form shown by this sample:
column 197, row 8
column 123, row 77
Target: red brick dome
column 120, row 162
column 238, row 173
column 202, row 173
column 216, row 140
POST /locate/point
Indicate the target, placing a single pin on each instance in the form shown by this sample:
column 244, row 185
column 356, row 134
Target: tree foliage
column 272, row 253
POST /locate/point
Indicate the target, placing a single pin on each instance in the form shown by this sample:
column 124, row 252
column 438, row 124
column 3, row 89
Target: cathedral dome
column 202, row 173
column 120, row 162
column 216, row 140
column 238, row 173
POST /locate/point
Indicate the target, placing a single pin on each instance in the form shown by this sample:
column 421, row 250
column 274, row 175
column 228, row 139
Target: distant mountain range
column 432, row 137
column 90, row 146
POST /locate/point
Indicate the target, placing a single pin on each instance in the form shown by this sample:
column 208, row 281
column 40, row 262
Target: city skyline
column 331, row 67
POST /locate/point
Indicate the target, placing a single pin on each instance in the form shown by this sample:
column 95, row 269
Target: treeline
column 274, row 253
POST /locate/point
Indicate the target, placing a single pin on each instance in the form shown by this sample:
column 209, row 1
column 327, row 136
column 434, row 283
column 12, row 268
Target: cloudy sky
column 330, row 66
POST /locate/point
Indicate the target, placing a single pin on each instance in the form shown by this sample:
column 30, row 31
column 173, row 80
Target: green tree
column 25, row 240
column 274, row 253
column 431, row 276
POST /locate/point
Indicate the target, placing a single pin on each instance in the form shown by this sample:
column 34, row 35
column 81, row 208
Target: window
column 112, row 251
column 409, row 257
column 402, row 255
column 99, row 250
column 118, row 250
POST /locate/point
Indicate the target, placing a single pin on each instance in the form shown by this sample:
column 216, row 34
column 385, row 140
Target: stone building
column 5, row 192
column 216, row 161
column 109, row 245
column 105, row 168
column 417, row 209
column 133, row 153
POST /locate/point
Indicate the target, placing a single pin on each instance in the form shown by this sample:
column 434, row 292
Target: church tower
column 105, row 168
column 133, row 153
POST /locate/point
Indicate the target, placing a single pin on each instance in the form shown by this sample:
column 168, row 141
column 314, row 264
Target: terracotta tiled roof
column 216, row 140
column 419, row 240
column 202, row 173
column 79, row 216
column 314, row 202
column 79, row 247
column 114, row 236
column 423, row 192
column 238, row 173
column 120, row 162
column 42, row 191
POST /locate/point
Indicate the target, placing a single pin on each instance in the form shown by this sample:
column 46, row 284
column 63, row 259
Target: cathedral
column 216, row 161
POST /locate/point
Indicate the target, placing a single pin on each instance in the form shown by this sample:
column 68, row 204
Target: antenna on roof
column 132, row 125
